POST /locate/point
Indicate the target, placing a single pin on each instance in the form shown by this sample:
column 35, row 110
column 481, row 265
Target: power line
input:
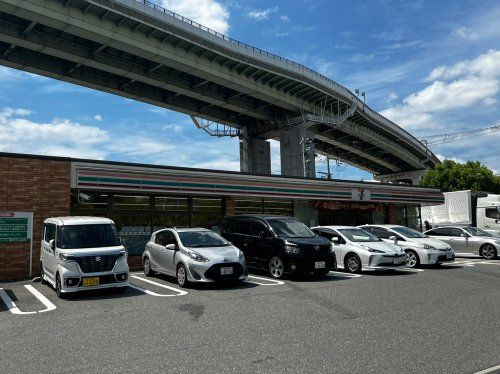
column 453, row 136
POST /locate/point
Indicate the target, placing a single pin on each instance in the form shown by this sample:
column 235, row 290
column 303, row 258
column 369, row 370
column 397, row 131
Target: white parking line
column 347, row 275
column 489, row 370
column 48, row 304
column 13, row 308
column 10, row 304
column 411, row 269
column 273, row 281
column 179, row 292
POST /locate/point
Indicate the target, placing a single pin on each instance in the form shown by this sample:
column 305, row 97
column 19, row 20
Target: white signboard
column 360, row 194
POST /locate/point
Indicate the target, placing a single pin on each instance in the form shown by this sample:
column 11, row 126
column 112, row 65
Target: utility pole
column 328, row 174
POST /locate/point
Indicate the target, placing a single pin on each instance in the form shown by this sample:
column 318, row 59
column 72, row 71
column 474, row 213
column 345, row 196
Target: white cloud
column 465, row 33
column 392, row 96
column 57, row 138
column 98, row 117
column 209, row 13
column 285, row 18
column 262, row 14
column 454, row 87
column 174, row 128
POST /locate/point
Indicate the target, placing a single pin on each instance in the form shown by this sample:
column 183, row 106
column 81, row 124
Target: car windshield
column 290, row 228
column 198, row 239
column 409, row 233
column 358, row 235
column 87, row 236
column 477, row 232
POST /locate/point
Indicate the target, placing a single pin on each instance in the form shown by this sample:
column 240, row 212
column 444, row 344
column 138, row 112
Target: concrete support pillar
column 297, row 152
column 409, row 177
column 255, row 156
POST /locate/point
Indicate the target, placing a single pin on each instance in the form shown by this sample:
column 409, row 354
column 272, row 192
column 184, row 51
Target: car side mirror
column 394, row 239
column 52, row 244
column 335, row 240
column 464, row 235
column 266, row 234
column 171, row 247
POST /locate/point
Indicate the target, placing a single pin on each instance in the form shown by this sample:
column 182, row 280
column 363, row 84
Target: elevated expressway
column 136, row 50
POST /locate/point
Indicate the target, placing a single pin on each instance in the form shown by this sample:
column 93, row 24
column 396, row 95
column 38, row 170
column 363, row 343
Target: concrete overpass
column 135, row 49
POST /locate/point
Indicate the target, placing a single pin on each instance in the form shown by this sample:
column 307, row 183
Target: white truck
column 466, row 208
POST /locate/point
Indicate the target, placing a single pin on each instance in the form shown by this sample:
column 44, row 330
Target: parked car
column 81, row 253
column 468, row 240
column 193, row 255
column 356, row 249
column 420, row 249
column 279, row 244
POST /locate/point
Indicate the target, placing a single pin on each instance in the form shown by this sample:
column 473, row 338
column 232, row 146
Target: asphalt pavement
column 441, row 319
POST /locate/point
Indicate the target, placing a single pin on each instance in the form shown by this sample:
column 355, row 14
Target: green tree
column 454, row 176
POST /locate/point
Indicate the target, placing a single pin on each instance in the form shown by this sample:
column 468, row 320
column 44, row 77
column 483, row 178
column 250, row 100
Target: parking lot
column 435, row 320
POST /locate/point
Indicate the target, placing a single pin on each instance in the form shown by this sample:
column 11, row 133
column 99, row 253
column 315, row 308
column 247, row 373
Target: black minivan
column 279, row 244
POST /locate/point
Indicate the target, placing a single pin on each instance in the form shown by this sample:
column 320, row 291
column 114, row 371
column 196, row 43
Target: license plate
column 87, row 282
column 449, row 255
column 319, row 264
column 226, row 271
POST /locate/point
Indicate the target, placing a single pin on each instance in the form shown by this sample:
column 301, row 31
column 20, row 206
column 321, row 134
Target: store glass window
column 130, row 202
column 87, row 201
column 133, row 229
column 171, row 204
column 212, row 221
column 248, row 206
column 278, row 207
column 162, row 221
column 207, row 205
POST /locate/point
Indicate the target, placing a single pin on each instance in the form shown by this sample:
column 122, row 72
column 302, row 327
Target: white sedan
column 356, row 249
column 420, row 249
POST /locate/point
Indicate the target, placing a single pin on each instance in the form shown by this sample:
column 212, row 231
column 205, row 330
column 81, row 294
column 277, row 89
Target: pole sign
column 16, row 227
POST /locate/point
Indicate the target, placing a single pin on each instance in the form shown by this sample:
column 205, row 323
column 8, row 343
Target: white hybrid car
column 420, row 248
column 82, row 253
column 356, row 249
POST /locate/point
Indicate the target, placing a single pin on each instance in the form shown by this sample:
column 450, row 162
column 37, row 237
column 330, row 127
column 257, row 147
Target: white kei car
column 356, row 249
column 420, row 248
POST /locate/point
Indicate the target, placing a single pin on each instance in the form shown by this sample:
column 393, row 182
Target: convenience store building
column 143, row 198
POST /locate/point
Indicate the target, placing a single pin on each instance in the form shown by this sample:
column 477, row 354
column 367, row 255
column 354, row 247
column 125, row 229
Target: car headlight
column 292, row 249
column 429, row 247
column 66, row 257
column 121, row 254
column 372, row 250
column 242, row 256
column 197, row 257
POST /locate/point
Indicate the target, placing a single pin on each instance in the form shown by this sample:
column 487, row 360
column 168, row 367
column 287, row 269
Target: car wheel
column 412, row 259
column 276, row 268
column 58, row 287
column 488, row 251
column 42, row 274
column 353, row 263
column 182, row 280
column 147, row 267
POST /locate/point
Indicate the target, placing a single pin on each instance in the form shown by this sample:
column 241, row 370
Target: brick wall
column 41, row 186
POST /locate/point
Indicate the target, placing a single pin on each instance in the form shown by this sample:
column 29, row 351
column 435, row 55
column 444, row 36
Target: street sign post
column 17, row 227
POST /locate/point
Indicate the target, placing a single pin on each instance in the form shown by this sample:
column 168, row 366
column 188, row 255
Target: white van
column 81, row 253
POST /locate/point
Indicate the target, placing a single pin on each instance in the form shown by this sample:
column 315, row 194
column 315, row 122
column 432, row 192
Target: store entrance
column 354, row 217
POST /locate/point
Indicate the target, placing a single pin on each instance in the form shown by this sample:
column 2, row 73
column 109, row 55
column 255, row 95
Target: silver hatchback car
column 193, row 255
column 468, row 240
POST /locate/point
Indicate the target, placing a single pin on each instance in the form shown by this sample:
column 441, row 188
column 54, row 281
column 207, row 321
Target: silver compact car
column 468, row 240
column 356, row 249
column 420, row 249
column 194, row 255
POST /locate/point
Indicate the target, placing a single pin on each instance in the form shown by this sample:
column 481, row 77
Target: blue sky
column 431, row 66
